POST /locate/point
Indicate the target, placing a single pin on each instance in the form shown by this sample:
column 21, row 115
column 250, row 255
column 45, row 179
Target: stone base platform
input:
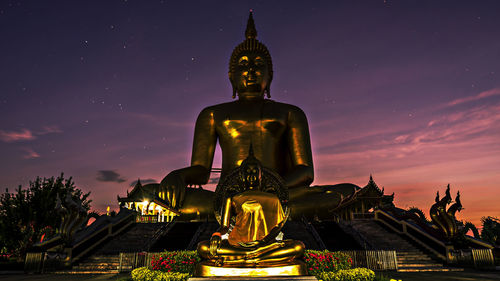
column 209, row 269
column 260, row 278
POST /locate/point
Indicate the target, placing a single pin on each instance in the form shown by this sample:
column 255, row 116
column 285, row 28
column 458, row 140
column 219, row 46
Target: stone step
column 415, row 251
column 425, row 257
column 429, row 269
column 414, row 260
column 103, row 259
column 417, row 261
column 412, row 256
column 86, row 272
column 99, row 264
column 411, row 265
column 96, row 265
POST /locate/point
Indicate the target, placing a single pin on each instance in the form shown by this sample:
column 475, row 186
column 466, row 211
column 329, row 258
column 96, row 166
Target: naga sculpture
column 444, row 220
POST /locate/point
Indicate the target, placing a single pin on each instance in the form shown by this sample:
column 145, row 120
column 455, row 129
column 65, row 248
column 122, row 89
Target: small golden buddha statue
column 251, row 218
column 278, row 131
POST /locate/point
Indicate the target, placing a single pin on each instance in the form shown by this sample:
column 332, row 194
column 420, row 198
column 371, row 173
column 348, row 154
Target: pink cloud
column 30, row 154
column 26, row 134
column 482, row 95
column 49, row 130
column 13, row 136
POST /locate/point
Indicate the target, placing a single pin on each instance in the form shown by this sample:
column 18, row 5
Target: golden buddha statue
column 279, row 133
column 252, row 213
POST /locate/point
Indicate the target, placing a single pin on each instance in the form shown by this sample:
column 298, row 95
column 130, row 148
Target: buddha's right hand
column 214, row 245
column 175, row 188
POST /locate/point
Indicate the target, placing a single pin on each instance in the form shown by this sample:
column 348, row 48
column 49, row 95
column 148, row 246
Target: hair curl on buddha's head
column 251, row 44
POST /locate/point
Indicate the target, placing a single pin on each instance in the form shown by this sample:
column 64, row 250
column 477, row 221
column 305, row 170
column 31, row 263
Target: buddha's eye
column 259, row 61
column 243, row 60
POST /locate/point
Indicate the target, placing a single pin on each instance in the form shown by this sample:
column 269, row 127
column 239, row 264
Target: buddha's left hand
column 251, row 244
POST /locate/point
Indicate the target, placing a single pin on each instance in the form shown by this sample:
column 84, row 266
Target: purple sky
column 108, row 91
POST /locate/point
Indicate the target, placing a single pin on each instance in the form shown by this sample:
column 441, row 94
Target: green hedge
column 356, row 274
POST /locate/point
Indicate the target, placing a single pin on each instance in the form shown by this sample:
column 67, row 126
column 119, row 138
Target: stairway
column 204, row 232
column 135, row 239
column 409, row 257
column 178, row 237
column 336, row 238
column 298, row 230
column 97, row 264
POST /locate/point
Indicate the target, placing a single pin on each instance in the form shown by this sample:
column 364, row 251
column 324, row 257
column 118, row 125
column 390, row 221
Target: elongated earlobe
column 232, row 84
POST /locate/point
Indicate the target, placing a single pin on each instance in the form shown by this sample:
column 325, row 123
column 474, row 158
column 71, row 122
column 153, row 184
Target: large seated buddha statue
column 251, row 204
column 278, row 132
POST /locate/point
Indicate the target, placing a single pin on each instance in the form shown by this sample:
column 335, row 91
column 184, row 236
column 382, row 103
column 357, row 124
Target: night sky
column 108, row 91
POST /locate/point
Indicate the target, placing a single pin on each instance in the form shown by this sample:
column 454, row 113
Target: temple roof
column 147, row 192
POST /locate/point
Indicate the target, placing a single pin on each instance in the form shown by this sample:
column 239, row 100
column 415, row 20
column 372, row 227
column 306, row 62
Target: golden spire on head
column 251, row 44
column 251, row 32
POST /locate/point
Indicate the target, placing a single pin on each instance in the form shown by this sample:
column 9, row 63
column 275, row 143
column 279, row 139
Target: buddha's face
column 252, row 176
column 251, row 75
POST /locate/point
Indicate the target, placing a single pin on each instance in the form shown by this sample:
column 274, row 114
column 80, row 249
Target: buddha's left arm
column 299, row 143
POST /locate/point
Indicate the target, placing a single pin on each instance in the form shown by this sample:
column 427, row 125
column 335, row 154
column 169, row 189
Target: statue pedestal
column 259, row 278
column 209, row 269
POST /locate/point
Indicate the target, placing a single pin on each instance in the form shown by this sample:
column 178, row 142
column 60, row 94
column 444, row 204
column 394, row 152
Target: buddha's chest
column 251, row 123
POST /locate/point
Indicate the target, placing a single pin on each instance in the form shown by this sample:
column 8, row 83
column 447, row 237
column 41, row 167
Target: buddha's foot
column 259, row 251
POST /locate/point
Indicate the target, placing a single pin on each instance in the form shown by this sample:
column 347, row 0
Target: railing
column 33, row 262
column 49, row 261
column 477, row 258
column 437, row 247
column 129, row 261
column 89, row 243
column 374, row 260
column 314, row 233
column 146, row 218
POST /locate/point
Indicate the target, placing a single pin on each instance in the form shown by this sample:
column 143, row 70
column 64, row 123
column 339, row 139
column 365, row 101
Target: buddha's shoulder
column 235, row 105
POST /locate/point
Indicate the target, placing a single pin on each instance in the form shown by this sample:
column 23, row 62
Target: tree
column 491, row 230
column 27, row 214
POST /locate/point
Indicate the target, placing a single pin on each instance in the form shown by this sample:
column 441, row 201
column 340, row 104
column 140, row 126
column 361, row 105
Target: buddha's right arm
column 204, row 142
column 202, row 155
column 198, row 173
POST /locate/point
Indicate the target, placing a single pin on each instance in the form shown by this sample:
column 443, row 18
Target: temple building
column 362, row 201
column 149, row 203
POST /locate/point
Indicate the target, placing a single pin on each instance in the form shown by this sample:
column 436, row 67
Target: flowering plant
column 325, row 261
column 146, row 274
column 175, row 261
column 356, row 274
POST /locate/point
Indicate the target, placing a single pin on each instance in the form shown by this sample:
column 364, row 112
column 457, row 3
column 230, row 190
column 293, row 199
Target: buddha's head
column 251, row 172
column 250, row 66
